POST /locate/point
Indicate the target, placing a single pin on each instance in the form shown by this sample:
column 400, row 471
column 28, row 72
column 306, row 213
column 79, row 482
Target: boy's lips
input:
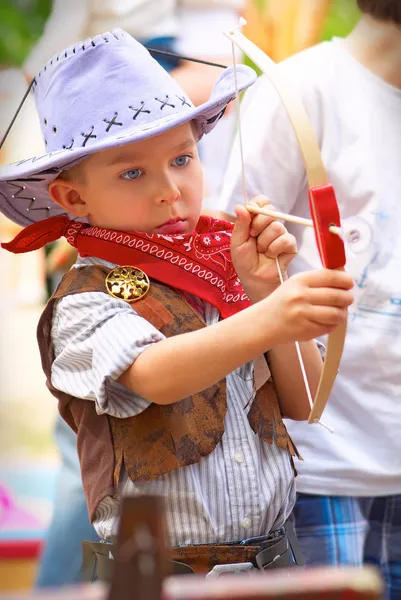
column 173, row 226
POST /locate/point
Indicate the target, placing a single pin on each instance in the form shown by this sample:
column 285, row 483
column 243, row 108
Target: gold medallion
column 127, row 283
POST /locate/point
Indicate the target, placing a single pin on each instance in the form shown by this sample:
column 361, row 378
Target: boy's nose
column 168, row 193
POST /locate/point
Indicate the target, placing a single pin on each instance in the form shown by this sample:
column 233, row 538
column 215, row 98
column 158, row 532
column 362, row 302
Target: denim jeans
column 61, row 560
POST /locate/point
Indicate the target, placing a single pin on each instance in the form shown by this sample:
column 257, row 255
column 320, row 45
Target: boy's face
column 153, row 186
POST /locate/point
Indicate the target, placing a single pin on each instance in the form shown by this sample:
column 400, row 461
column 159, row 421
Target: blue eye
column 132, row 174
column 181, row 161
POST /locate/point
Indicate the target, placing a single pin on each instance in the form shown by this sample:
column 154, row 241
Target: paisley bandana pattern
column 198, row 263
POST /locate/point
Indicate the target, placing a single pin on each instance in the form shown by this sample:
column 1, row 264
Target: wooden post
column 140, row 554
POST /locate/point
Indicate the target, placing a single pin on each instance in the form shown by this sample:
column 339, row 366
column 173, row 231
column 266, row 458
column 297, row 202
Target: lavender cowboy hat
column 101, row 93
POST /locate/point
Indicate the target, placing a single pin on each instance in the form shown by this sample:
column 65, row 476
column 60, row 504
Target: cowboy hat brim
column 24, row 185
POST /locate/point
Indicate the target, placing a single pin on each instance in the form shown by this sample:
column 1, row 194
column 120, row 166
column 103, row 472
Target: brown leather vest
column 161, row 438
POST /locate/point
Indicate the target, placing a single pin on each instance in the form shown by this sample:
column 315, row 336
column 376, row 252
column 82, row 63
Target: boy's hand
column 309, row 304
column 256, row 242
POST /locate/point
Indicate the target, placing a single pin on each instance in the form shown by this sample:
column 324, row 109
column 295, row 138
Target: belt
column 280, row 549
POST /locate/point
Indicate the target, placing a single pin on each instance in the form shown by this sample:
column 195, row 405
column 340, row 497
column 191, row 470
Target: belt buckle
column 231, row 569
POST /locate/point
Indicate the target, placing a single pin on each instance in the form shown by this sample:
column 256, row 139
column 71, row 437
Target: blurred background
column 29, row 35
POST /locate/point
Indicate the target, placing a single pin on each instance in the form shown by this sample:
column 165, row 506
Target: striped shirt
column 244, row 488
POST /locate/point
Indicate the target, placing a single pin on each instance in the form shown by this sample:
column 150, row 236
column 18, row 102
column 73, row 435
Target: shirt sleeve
column 95, row 339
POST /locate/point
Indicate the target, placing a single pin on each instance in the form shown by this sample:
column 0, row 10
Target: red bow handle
column 324, row 211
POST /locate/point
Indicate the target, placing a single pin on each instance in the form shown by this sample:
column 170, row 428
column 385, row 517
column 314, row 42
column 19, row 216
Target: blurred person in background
column 188, row 27
column 349, row 486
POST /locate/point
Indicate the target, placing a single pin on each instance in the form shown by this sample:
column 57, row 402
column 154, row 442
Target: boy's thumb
column 240, row 233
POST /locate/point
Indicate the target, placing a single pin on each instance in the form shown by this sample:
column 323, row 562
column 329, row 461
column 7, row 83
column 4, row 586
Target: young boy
column 165, row 381
column 349, row 503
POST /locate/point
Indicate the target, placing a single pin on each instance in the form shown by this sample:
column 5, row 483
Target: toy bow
column 322, row 202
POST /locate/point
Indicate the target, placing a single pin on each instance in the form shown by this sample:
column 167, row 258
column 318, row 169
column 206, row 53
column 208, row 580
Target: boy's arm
column 96, row 338
column 306, row 306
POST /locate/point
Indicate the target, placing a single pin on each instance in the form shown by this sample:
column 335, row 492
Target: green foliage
column 342, row 18
column 21, row 24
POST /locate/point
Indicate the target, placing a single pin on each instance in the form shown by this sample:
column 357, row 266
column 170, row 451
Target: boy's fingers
column 272, row 231
column 334, row 297
column 328, row 315
column 260, row 222
column 240, row 233
column 260, row 200
column 326, row 278
column 276, row 241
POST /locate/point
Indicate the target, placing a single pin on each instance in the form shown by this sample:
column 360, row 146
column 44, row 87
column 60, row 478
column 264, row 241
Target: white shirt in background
column 357, row 119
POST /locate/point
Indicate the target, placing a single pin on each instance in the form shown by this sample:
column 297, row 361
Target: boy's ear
column 67, row 194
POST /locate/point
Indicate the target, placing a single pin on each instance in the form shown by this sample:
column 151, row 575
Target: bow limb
column 322, row 201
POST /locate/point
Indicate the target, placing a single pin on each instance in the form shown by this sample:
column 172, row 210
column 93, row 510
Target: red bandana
column 198, row 263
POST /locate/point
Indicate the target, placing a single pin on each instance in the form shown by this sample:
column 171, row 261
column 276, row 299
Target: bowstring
column 239, row 128
column 302, row 365
column 298, row 349
column 245, row 194
column 3, row 139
